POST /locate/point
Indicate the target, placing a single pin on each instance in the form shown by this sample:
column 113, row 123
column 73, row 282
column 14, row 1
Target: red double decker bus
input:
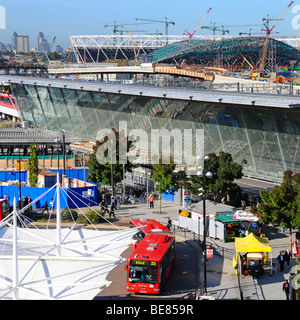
column 150, row 226
column 150, row 265
column 7, row 100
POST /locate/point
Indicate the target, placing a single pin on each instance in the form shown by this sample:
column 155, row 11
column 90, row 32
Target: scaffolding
column 216, row 52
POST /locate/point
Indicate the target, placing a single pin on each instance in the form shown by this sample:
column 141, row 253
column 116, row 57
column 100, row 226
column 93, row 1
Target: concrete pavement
column 222, row 281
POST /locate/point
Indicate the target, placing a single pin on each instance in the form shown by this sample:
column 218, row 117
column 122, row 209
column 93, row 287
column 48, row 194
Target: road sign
column 187, row 199
column 209, row 253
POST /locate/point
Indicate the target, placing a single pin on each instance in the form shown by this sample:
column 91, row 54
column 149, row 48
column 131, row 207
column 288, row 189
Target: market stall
column 250, row 245
column 228, row 225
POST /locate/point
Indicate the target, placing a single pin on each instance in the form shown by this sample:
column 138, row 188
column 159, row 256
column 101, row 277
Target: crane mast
column 267, row 39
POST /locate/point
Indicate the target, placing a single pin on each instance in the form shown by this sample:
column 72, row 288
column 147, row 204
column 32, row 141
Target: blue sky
column 62, row 18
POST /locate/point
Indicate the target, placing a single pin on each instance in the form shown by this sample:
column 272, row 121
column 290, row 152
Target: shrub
column 93, row 217
column 69, row 215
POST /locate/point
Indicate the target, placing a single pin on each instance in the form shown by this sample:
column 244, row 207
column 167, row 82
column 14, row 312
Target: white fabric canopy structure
column 61, row 263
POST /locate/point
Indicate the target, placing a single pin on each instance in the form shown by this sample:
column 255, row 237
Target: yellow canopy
column 252, row 243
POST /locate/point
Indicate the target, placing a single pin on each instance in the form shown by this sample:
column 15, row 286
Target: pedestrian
column 287, row 257
column 151, row 201
column 23, row 203
column 286, row 289
column 295, row 248
column 103, row 206
column 116, row 202
column 52, row 204
column 46, row 207
column 29, row 202
column 280, row 258
column 5, row 196
column 112, row 207
column 169, row 225
column 7, row 204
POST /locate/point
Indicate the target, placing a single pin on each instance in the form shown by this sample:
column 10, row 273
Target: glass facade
column 267, row 138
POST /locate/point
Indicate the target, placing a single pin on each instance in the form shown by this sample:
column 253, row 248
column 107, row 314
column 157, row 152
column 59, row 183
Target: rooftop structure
column 98, row 48
column 262, row 129
column 224, row 52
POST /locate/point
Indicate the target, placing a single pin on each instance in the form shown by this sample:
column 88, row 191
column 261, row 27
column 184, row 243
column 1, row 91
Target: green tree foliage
column 33, row 166
column 52, row 56
column 165, row 179
column 224, row 170
column 101, row 172
column 92, row 216
column 282, row 203
column 69, row 214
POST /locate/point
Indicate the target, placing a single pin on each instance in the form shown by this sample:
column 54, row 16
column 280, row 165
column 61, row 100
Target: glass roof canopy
column 205, row 50
column 265, row 134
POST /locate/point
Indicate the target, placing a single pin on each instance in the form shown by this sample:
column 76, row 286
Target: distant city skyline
column 63, row 18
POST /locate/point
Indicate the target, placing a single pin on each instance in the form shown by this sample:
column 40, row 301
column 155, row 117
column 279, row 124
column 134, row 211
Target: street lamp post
column 20, row 198
column 204, row 175
column 64, row 153
column 111, row 168
column 63, row 141
column 58, row 140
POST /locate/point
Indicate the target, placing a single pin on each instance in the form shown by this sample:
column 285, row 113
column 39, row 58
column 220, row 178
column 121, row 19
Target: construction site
column 199, row 59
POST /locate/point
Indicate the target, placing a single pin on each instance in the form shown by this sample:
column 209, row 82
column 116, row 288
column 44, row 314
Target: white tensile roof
column 60, row 263
column 77, row 269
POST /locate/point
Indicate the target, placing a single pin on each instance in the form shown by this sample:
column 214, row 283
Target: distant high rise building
column 14, row 41
column 59, row 49
column 43, row 44
column 22, row 44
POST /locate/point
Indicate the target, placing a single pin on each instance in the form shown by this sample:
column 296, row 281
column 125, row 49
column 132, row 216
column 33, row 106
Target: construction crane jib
column 166, row 22
column 192, row 34
column 116, row 26
column 267, row 39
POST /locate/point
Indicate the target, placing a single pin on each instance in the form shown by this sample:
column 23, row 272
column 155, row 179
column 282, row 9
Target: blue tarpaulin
column 72, row 197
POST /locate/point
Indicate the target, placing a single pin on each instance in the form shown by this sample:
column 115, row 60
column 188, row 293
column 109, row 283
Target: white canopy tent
column 61, row 263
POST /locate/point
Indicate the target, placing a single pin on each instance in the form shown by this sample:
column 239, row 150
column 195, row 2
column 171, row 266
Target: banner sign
column 243, row 215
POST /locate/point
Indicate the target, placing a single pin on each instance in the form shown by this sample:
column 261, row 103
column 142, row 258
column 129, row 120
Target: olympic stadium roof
column 204, row 51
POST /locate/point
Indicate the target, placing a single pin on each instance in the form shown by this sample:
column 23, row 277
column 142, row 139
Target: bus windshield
column 143, row 273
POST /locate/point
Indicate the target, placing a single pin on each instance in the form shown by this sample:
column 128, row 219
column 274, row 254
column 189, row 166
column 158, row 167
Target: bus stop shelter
column 252, row 244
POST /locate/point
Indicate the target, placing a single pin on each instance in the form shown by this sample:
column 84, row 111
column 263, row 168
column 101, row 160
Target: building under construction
column 236, row 51
column 235, row 54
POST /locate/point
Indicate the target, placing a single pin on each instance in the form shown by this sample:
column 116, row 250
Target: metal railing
column 170, row 82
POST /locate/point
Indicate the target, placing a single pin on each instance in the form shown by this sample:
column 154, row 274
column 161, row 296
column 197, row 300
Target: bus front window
column 146, row 274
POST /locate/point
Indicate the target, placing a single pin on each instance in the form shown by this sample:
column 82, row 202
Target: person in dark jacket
column 286, row 289
column 280, row 259
column 287, row 257
column 46, row 207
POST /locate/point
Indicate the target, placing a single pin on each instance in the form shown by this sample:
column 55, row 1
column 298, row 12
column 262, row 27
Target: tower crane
column 117, row 26
column 214, row 28
column 267, row 39
column 122, row 30
column 250, row 33
column 192, row 34
column 166, row 22
column 50, row 50
column 267, row 19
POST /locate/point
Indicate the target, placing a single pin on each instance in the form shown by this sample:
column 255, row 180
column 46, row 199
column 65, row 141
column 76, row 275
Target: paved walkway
column 222, row 281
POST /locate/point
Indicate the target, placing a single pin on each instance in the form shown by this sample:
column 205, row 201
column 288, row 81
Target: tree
column 282, row 203
column 164, row 178
column 224, row 170
column 101, row 172
column 33, row 166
